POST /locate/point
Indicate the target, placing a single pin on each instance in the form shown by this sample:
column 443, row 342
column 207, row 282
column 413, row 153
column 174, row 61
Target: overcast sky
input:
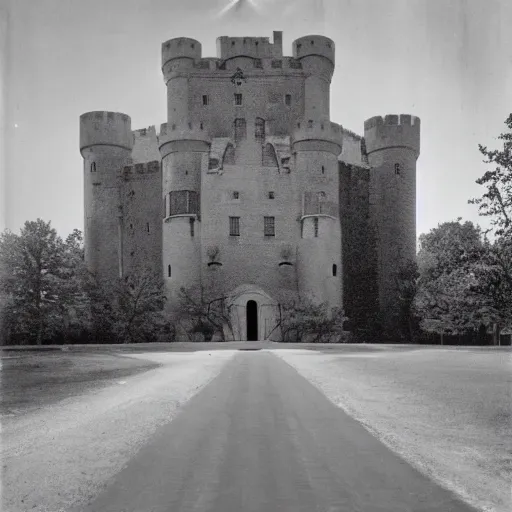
column 447, row 61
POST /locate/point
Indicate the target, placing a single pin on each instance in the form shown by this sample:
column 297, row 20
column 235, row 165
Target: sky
column 447, row 61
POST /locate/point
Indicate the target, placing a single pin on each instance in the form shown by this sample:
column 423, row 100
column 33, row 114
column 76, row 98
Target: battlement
column 314, row 45
column 392, row 131
column 181, row 47
column 318, row 130
column 105, row 128
column 132, row 171
column 256, row 47
column 188, row 131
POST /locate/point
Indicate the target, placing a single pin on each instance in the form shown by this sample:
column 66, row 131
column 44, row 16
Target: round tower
column 316, row 146
column 393, row 146
column 106, row 142
column 178, row 56
column 316, row 54
column 184, row 150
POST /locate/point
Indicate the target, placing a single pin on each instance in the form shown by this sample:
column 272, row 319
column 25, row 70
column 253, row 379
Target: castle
column 249, row 191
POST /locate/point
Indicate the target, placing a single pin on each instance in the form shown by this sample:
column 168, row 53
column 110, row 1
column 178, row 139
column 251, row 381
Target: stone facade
column 249, row 192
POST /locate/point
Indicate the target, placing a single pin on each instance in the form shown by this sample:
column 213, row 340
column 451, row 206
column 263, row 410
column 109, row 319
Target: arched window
column 334, row 269
column 240, row 129
column 269, row 158
column 93, row 167
column 229, row 155
column 259, row 130
column 168, row 270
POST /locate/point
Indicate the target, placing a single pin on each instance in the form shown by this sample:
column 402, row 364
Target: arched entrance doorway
column 252, row 320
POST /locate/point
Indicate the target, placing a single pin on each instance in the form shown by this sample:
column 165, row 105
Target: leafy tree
column 129, row 309
column 496, row 202
column 39, row 280
column 450, row 297
column 406, row 282
column 306, row 321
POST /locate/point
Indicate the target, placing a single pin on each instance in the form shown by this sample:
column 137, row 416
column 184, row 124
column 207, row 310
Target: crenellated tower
column 393, row 146
column 316, row 144
column 184, row 147
column 106, row 142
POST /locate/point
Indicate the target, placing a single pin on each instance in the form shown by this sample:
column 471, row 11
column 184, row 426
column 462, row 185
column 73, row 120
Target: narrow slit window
column 205, row 100
column 288, row 100
column 147, row 227
column 334, row 270
column 192, row 227
column 323, row 169
column 168, row 270
column 93, row 167
column 269, row 226
column 315, row 225
column 234, row 226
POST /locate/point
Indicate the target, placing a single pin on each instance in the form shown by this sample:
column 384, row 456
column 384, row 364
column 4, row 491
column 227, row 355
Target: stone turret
column 393, row 146
column 106, row 142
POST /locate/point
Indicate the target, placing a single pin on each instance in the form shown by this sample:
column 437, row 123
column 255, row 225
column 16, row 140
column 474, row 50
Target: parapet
column 177, row 132
column 145, row 147
column 137, row 170
column 105, row 128
column 354, row 150
column 319, row 131
column 180, row 47
column 392, row 131
column 314, row 45
column 255, row 47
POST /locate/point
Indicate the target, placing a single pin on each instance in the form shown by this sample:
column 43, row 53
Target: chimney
column 277, row 50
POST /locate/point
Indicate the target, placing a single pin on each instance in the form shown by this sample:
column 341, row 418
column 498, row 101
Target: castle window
column 397, row 169
column 240, row 129
column 259, row 130
column 315, row 224
column 238, row 99
column 93, row 167
column 288, row 100
column 334, row 270
column 236, row 195
column 147, row 227
column 165, row 206
column 184, row 202
column 271, row 195
column 229, row 155
column 131, row 226
column 277, row 63
column 269, row 226
column 323, row 169
column 269, row 158
column 168, row 270
column 234, row 226
column 205, row 99
column 192, row 227
column 310, row 123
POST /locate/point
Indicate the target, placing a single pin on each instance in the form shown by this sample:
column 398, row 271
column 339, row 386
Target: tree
column 496, row 202
column 306, row 321
column 406, row 282
column 207, row 313
column 450, row 296
column 131, row 308
column 38, row 280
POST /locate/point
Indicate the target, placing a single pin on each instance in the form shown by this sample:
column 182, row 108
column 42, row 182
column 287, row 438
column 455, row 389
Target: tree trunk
column 496, row 332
